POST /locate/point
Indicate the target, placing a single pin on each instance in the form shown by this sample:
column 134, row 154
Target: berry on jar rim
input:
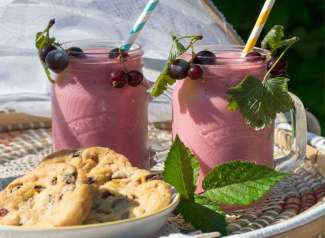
column 44, row 52
column 76, row 52
column 279, row 68
column 134, row 78
column 118, row 79
column 254, row 56
column 179, row 68
column 195, row 72
column 57, row 60
column 114, row 53
column 205, row 57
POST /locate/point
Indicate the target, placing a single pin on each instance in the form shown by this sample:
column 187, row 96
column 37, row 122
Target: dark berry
column 204, row 57
column 118, row 79
column 114, row 53
column 44, row 52
column 254, row 57
column 3, row 212
column 57, row 60
column 195, row 72
column 76, row 52
column 280, row 67
column 178, row 69
column 134, row 78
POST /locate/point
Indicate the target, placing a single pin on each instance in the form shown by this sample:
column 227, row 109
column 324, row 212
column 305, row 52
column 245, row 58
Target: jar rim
column 232, row 58
column 85, row 44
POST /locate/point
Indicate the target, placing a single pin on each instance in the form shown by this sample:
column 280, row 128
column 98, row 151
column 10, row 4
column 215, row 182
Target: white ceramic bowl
column 145, row 226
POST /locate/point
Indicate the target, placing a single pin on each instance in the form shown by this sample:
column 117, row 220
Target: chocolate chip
column 91, row 180
column 54, row 181
column 60, row 197
column 18, row 186
column 106, row 194
column 70, row 178
column 3, row 212
column 117, row 202
column 76, row 153
column 154, row 177
column 38, row 188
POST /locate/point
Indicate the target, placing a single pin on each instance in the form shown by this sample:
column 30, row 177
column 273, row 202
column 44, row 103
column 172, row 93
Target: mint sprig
column 260, row 101
column 177, row 49
column 236, row 183
column 43, row 40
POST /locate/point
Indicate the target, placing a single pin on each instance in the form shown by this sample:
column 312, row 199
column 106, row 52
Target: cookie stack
column 86, row 186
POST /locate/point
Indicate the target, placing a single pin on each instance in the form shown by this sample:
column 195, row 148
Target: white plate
column 146, row 226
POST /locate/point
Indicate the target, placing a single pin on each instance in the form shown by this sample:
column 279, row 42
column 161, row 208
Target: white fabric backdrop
column 21, row 77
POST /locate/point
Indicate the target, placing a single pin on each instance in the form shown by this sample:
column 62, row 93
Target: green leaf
column 239, row 182
column 273, row 37
column 259, row 103
column 204, row 201
column 178, row 170
column 161, row 84
column 195, row 166
column 201, row 217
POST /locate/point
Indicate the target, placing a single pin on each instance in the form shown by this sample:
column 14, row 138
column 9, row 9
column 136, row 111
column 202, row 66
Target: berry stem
column 278, row 59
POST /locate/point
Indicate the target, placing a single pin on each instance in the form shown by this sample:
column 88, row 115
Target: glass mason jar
column 88, row 111
column 203, row 122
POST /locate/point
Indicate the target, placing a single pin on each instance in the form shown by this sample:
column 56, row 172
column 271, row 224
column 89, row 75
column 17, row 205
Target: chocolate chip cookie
column 54, row 194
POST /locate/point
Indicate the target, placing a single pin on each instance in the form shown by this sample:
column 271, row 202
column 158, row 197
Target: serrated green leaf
column 161, row 84
column 259, row 103
column 201, row 217
column 204, row 201
column 195, row 166
column 239, row 182
column 178, row 169
column 273, row 38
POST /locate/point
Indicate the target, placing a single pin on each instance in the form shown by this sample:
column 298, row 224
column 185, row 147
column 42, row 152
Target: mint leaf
column 274, row 39
column 239, row 182
column 259, row 103
column 201, row 217
column 178, row 170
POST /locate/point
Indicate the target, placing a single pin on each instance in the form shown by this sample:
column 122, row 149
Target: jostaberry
column 179, row 68
column 118, row 79
column 44, row 52
column 57, row 60
column 134, row 78
column 205, row 57
column 195, row 72
column 280, row 67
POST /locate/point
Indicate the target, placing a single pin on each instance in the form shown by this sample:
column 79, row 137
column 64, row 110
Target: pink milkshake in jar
column 203, row 122
column 88, row 109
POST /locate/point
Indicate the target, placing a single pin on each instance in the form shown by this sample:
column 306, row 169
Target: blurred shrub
column 303, row 18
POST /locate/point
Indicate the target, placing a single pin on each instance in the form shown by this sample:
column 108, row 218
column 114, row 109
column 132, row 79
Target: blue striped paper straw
column 138, row 26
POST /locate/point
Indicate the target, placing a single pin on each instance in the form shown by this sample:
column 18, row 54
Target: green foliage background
column 302, row 18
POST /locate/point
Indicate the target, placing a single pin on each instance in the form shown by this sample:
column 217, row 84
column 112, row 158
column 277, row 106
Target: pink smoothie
column 203, row 122
column 88, row 111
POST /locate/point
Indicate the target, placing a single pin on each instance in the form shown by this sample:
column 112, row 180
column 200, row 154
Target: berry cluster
column 180, row 69
column 121, row 78
column 57, row 59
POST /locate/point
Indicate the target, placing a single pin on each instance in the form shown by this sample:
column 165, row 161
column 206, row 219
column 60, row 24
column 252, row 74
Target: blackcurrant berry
column 114, row 53
column 280, row 67
column 76, row 52
column 195, row 72
column 178, row 69
column 134, row 78
column 254, row 57
column 44, row 51
column 57, row 60
column 118, row 79
column 204, row 57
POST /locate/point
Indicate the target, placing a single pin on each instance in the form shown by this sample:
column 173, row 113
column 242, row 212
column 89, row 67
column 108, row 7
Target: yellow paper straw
column 258, row 27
